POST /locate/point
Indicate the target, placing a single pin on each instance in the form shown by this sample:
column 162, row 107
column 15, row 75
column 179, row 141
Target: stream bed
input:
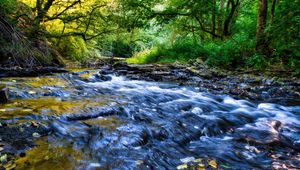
column 81, row 120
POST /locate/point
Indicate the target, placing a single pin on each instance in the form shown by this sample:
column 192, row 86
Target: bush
column 257, row 62
column 122, row 49
column 182, row 50
column 146, row 56
column 231, row 52
column 74, row 48
column 7, row 6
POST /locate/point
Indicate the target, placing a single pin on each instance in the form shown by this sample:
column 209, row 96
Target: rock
column 102, row 77
column 81, row 72
column 260, row 132
column 36, row 135
column 197, row 110
column 3, row 94
column 30, row 72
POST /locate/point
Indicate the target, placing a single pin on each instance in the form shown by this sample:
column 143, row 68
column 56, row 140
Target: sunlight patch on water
column 35, row 82
column 46, row 156
column 110, row 123
column 48, row 106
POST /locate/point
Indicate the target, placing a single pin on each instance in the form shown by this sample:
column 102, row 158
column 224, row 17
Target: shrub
column 181, row 50
column 231, row 52
column 74, row 48
column 257, row 62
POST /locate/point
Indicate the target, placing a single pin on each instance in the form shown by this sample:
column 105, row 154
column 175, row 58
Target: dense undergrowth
column 228, row 54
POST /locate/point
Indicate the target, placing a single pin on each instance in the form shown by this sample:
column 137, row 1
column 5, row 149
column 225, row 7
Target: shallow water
column 130, row 124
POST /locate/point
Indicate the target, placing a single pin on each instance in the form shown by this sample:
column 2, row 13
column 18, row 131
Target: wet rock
column 101, row 77
column 18, row 137
column 121, row 65
column 260, row 132
column 29, row 72
column 80, row 73
column 3, row 94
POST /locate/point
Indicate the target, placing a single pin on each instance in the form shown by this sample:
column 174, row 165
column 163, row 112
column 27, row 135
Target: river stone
column 3, row 94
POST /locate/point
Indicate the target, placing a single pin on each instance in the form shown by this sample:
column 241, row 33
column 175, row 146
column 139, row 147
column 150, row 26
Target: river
column 118, row 123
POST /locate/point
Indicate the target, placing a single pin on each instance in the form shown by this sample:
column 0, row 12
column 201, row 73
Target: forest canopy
column 225, row 33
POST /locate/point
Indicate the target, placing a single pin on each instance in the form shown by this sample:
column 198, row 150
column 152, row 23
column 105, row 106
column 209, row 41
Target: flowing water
column 130, row 124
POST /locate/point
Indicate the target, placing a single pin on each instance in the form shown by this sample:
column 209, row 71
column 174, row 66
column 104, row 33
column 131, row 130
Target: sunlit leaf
column 213, row 163
column 183, row 166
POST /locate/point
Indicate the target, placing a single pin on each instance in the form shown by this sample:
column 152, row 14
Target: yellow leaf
column 201, row 165
column 139, row 162
column 200, row 168
column 197, row 160
column 183, row 166
column 213, row 163
column 35, row 124
column 10, row 166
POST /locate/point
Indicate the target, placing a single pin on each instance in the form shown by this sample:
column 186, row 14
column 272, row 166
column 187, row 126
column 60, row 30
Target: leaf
column 10, row 166
column 197, row 160
column 36, row 135
column 200, row 167
column 27, row 110
column 3, row 158
column 139, row 162
column 34, row 124
column 183, row 166
column 213, row 163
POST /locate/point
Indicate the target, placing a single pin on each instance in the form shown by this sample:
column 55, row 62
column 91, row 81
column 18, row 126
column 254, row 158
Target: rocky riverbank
column 29, row 72
column 254, row 86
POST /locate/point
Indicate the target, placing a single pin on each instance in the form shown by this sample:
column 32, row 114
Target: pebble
column 36, row 135
column 187, row 160
column 197, row 110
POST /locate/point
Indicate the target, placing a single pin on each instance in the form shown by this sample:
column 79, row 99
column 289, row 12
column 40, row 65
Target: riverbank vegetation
column 219, row 33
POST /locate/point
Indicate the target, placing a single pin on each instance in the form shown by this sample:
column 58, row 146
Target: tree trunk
column 42, row 10
column 220, row 18
column 272, row 12
column 214, row 19
column 261, row 44
column 228, row 20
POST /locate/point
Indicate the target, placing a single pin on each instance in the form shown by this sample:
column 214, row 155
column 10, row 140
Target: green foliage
column 257, row 62
column 7, row 6
column 146, row 56
column 182, row 50
column 74, row 48
column 122, row 48
column 284, row 34
column 231, row 52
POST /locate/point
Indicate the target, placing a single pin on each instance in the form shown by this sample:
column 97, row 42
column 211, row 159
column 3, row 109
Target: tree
column 261, row 43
